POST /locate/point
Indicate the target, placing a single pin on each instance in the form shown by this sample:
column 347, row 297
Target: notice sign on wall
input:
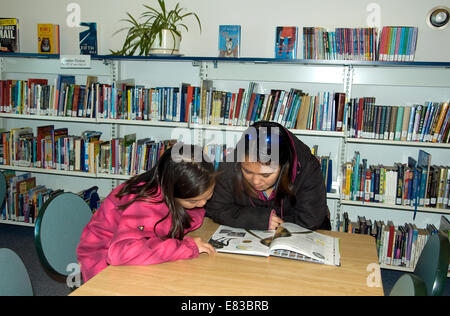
column 75, row 61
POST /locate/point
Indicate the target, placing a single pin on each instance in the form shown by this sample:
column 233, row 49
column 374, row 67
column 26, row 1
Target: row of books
column 50, row 148
column 292, row 109
column 63, row 98
column 326, row 111
column 55, row 149
column 397, row 43
column 128, row 155
column 394, row 43
column 326, row 165
column 24, row 197
column 340, row 44
column 399, row 246
column 422, row 123
column 199, row 105
column 415, row 183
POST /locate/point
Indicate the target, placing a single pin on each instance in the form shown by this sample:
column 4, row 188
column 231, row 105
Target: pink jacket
column 115, row 237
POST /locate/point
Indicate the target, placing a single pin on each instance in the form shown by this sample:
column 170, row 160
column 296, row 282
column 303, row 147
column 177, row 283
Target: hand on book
column 204, row 247
column 275, row 221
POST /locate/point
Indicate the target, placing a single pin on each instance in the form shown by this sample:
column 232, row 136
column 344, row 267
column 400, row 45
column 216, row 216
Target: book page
column 316, row 246
column 241, row 241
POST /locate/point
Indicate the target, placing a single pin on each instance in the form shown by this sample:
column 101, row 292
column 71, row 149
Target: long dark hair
column 182, row 172
column 267, row 143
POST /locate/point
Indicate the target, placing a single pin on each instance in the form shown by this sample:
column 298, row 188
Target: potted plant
column 158, row 32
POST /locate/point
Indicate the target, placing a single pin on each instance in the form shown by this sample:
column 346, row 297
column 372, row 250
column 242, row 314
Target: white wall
column 258, row 19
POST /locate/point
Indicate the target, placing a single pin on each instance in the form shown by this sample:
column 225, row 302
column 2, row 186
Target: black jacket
column 230, row 208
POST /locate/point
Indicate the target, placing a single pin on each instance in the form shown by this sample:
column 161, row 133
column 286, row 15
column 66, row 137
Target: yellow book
column 48, row 38
column 348, row 180
column 129, row 104
column 440, row 122
column 9, row 35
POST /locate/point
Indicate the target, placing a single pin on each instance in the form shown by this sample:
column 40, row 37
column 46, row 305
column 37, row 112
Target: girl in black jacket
column 271, row 177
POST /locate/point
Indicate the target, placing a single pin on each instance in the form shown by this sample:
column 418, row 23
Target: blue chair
column 58, row 229
column 14, row 278
column 432, row 266
column 409, row 285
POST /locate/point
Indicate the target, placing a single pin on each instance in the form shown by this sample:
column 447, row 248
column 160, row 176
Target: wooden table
column 241, row 275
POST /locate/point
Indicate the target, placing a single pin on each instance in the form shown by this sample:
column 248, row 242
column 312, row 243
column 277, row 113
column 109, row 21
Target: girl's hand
column 275, row 221
column 204, row 246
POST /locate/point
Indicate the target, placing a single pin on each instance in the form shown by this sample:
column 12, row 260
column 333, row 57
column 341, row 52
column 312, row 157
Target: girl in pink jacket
column 144, row 220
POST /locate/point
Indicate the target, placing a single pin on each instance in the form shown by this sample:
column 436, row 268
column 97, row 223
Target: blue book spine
column 411, row 123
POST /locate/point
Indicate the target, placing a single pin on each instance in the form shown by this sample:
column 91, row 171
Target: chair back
column 432, row 266
column 14, row 278
column 58, row 229
column 409, row 285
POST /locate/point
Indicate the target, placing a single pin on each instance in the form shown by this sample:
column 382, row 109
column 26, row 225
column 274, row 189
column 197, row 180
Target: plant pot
column 169, row 45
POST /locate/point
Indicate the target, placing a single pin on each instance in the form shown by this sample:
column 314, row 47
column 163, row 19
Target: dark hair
column 267, row 143
column 176, row 175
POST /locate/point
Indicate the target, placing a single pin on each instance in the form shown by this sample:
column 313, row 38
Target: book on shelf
column 124, row 99
column 48, row 38
column 9, row 35
column 229, row 40
column 288, row 241
column 397, row 246
column 416, row 183
column 419, row 123
column 398, row 43
column 340, row 44
column 56, row 149
column 88, row 39
column 286, row 41
column 24, row 197
column 91, row 197
column 326, row 165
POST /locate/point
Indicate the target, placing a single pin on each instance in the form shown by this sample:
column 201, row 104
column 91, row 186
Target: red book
column 360, row 118
column 340, row 104
column 42, row 133
column 76, row 97
column 42, row 82
column 7, row 104
column 390, row 243
column 232, row 107
column 2, row 94
column 367, row 186
column 250, row 107
column 189, row 95
column 238, row 103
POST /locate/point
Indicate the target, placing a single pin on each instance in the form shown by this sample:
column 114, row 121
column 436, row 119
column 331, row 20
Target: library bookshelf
column 392, row 83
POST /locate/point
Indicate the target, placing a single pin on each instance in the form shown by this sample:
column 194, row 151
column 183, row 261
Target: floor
column 21, row 240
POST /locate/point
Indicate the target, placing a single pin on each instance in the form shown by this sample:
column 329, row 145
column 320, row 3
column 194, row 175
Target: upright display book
column 229, row 40
column 286, row 38
column 288, row 241
column 48, row 38
column 9, row 35
column 88, row 39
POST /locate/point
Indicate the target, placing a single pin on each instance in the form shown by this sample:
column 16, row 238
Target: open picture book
column 288, row 241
